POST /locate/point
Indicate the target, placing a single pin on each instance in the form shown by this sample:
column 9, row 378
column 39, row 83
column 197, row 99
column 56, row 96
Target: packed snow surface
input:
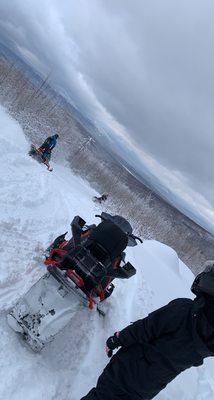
column 35, row 207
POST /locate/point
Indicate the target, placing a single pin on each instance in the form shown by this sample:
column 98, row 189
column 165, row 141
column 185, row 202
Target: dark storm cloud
column 148, row 65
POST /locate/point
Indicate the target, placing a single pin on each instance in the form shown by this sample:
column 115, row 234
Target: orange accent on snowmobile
column 50, row 262
column 71, row 273
column 63, row 244
column 86, row 233
column 90, row 303
column 54, row 256
column 100, row 292
column 116, row 263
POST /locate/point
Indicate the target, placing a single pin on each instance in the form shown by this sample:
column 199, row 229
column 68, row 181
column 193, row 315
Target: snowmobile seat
column 108, row 240
column 93, row 259
column 86, row 265
column 98, row 251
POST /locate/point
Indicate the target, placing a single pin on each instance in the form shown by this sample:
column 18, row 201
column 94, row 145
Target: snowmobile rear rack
column 61, row 277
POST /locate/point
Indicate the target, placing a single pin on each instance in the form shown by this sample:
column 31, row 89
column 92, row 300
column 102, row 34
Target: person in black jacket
column 154, row 350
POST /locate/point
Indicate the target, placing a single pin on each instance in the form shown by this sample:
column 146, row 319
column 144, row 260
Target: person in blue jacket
column 47, row 147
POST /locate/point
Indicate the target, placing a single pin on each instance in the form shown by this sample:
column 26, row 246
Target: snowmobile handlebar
column 101, row 217
column 135, row 237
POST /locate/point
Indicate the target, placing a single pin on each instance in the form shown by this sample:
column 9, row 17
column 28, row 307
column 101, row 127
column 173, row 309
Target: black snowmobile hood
column 203, row 326
column 113, row 218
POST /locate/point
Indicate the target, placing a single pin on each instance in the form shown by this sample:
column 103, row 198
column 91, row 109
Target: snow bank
column 35, row 206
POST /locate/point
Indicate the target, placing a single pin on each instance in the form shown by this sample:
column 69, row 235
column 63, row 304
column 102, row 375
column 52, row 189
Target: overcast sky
column 145, row 68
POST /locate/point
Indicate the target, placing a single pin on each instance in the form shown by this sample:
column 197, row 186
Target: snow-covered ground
column 36, row 206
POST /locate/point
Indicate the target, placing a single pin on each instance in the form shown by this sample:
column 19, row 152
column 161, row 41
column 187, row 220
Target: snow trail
column 35, row 207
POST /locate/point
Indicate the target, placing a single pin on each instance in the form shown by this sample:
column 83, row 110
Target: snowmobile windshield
column 110, row 237
column 123, row 224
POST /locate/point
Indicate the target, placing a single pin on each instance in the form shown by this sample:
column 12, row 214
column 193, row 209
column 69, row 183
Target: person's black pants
column 91, row 395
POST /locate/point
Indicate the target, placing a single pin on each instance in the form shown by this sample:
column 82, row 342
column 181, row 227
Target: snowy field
column 36, row 206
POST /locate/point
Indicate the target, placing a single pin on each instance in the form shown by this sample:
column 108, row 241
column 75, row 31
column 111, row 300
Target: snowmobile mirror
column 76, row 227
column 81, row 221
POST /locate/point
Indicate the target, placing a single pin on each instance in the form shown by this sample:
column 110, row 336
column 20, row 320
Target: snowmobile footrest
column 126, row 272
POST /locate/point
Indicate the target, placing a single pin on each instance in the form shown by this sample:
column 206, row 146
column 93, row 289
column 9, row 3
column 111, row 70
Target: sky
column 143, row 69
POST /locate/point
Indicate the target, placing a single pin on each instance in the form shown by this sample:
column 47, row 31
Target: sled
column 37, row 155
column 44, row 311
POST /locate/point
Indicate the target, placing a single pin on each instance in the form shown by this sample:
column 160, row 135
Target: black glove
column 112, row 343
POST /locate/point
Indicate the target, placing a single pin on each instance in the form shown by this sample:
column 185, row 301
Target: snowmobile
column 38, row 155
column 79, row 274
column 100, row 199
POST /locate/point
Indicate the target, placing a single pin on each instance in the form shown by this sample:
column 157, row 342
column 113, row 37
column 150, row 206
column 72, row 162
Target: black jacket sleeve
column 160, row 322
